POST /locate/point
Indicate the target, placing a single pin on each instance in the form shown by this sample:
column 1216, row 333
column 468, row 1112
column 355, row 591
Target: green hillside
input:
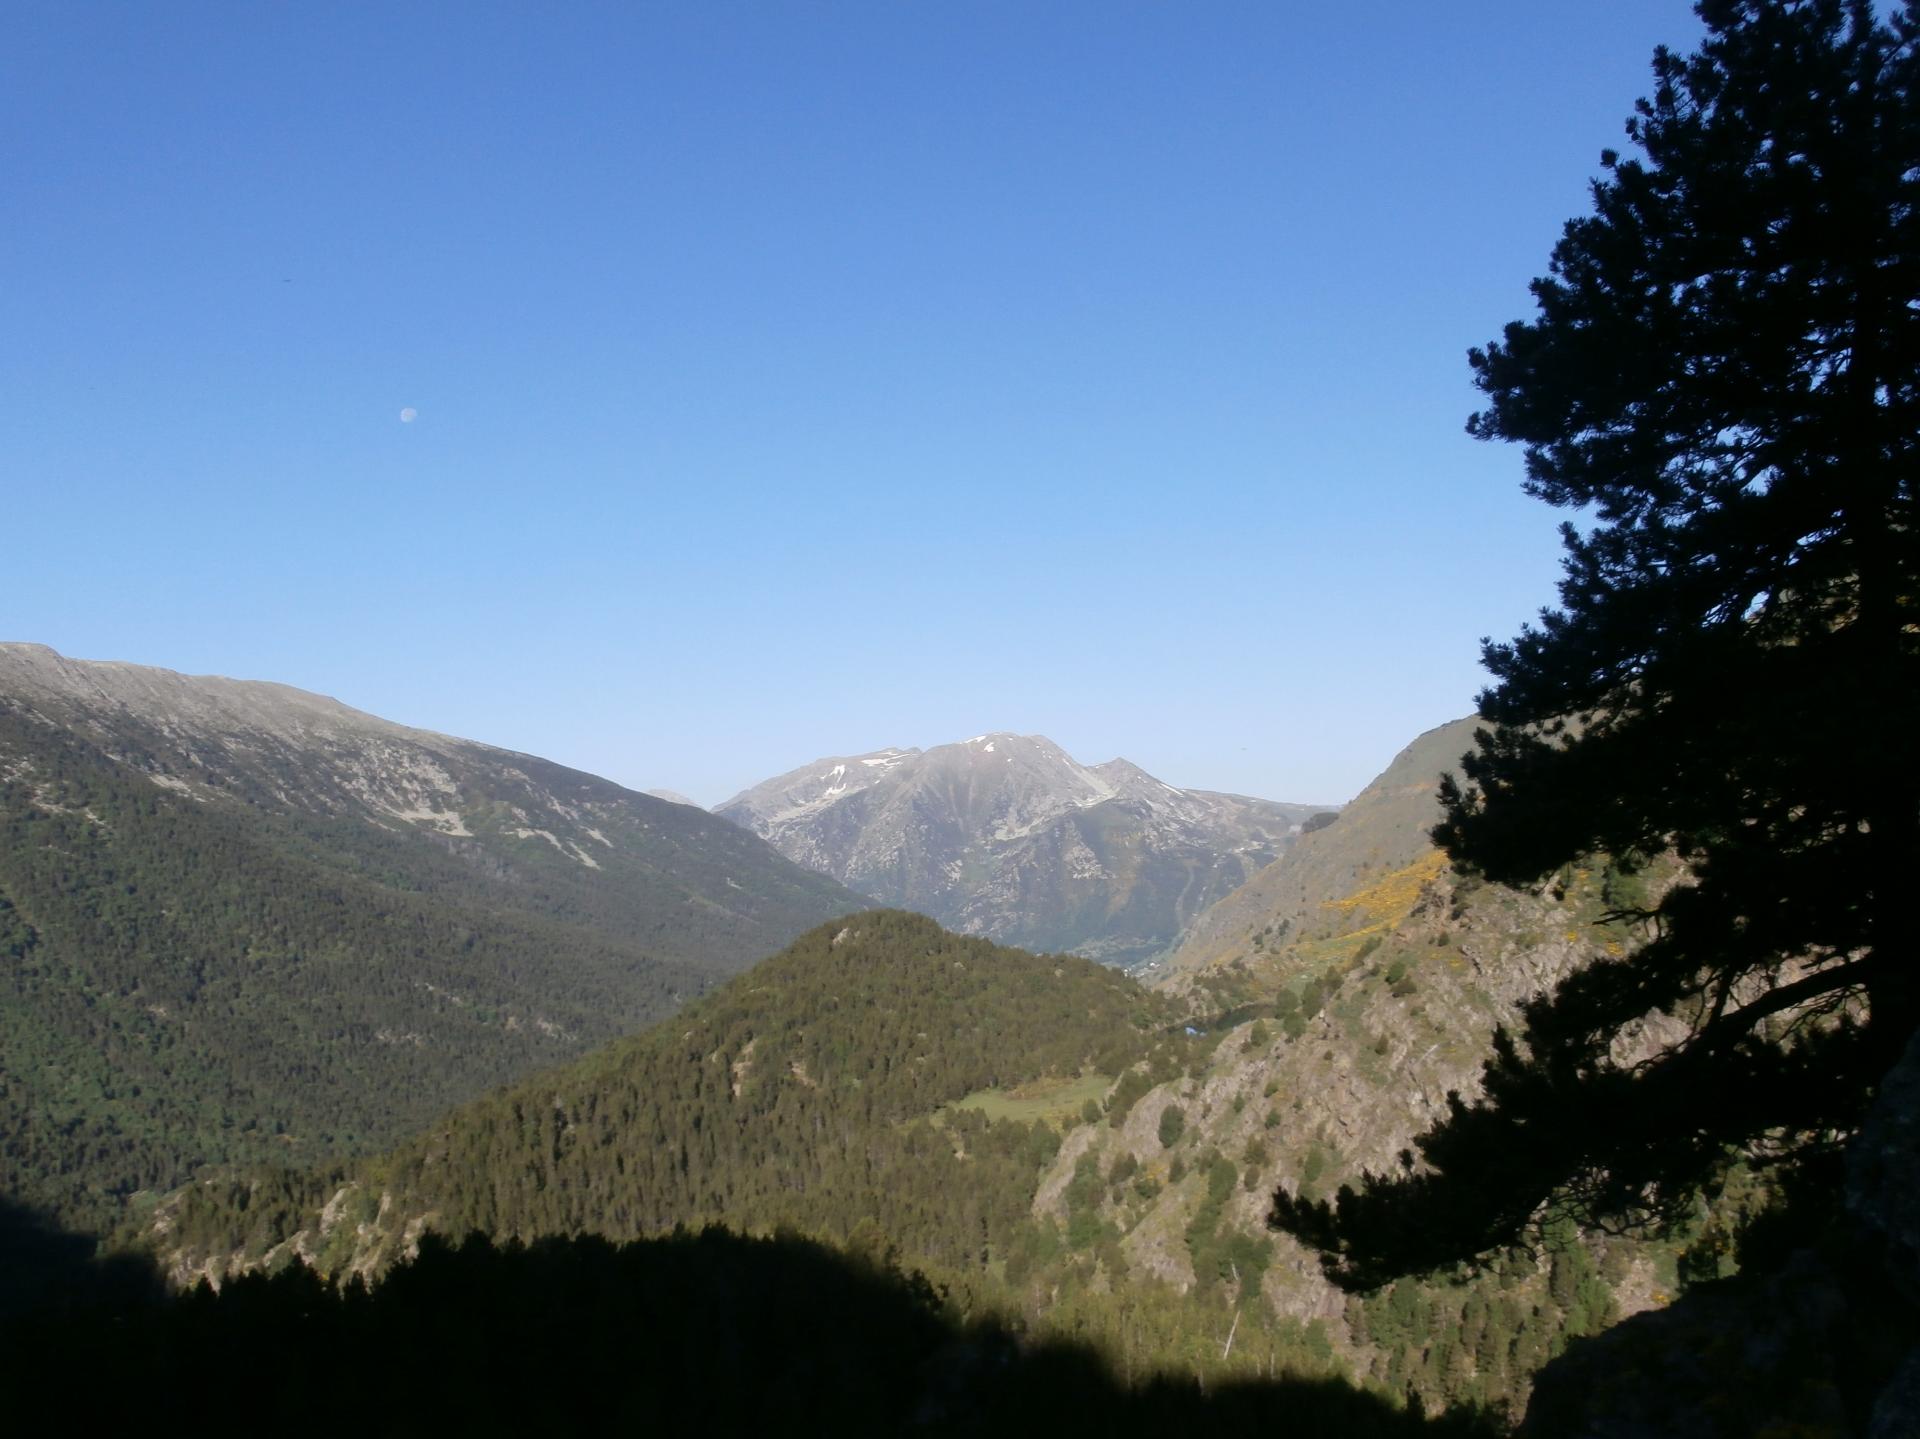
column 197, row 974
column 821, row 1090
column 1057, row 1147
column 1380, row 833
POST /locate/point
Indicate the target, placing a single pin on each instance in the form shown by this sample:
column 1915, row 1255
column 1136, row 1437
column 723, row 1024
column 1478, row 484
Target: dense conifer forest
column 191, row 981
column 821, row 1090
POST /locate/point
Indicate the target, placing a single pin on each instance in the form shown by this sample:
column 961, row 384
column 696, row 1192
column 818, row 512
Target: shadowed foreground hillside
column 732, row 1334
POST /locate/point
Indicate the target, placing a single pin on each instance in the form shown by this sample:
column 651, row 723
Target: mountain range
column 1009, row 837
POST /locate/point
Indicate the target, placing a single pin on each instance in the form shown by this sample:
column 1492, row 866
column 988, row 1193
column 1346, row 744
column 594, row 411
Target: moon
column 407, row 415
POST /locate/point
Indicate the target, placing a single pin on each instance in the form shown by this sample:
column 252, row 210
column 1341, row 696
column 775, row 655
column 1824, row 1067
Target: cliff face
column 1336, row 1049
column 1345, row 992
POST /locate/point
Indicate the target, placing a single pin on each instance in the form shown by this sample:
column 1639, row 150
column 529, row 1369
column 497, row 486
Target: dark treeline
column 732, row 1334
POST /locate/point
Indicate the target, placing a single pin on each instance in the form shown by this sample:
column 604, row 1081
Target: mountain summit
column 1009, row 836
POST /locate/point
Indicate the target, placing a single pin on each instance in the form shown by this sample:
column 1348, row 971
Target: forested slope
column 815, row 1091
column 1055, row 1145
column 224, row 941
column 370, row 796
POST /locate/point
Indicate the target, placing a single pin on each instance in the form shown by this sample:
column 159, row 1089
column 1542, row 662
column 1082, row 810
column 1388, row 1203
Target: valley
column 1414, row 1039
column 297, row 991
column 1061, row 1149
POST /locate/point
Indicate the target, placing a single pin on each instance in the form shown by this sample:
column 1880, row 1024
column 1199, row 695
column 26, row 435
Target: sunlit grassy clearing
column 1039, row 1099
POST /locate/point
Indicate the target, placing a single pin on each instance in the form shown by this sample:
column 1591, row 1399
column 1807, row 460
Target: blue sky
column 794, row 378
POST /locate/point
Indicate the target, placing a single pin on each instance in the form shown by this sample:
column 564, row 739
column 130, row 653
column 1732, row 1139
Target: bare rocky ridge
column 277, row 748
column 1370, row 1067
column 1010, row 837
column 1359, row 981
column 207, row 735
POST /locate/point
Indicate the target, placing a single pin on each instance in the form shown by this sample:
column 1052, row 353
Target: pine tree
column 1723, row 383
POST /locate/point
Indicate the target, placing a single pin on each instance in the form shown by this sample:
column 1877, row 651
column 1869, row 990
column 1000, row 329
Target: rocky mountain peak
column 1007, row 835
column 782, row 798
column 1127, row 779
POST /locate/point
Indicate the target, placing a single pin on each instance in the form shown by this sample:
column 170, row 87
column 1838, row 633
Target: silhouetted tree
column 1721, row 382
